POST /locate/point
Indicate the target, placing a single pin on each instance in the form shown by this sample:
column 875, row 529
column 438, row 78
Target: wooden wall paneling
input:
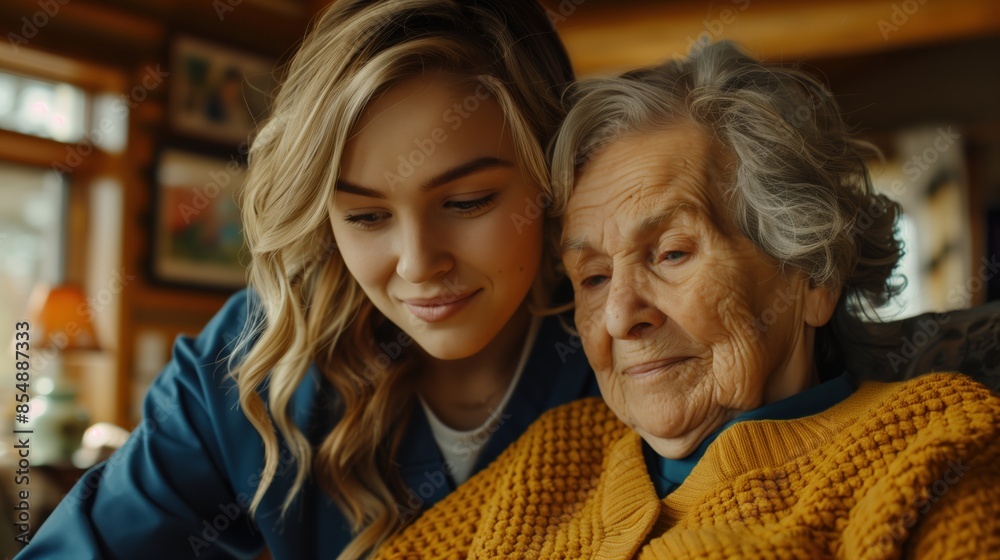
column 605, row 37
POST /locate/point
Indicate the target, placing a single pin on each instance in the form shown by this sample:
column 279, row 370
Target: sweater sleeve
column 161, row 494
column 961, row 516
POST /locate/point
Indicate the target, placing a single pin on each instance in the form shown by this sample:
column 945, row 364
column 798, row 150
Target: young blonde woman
column 391, row 342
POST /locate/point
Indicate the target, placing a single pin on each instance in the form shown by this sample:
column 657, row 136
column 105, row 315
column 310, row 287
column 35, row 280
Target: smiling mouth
column 432, row 310
column 648, row 369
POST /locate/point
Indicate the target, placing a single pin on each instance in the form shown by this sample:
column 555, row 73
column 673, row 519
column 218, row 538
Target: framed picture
column 197, row 237
column 217, row 93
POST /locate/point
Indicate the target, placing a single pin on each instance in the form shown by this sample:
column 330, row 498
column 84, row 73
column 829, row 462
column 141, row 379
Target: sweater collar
column 668, row 474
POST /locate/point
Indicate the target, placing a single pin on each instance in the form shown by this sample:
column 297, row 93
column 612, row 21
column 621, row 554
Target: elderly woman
column 714, row 242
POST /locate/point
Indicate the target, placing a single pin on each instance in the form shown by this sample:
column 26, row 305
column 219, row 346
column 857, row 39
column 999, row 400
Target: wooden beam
column 267, row 27
column 91, row 77
column 82, row 29
column 42, row 152
column 604, row 39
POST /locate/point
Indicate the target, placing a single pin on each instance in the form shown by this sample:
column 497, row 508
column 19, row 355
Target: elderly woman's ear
column 820, row 303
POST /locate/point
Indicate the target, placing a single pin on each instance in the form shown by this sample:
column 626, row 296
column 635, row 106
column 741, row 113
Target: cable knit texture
column 908, row 469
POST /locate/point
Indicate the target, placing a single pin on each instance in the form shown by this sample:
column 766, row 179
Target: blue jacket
column 180, row 486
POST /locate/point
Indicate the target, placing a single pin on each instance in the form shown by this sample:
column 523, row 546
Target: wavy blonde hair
column 310, row 309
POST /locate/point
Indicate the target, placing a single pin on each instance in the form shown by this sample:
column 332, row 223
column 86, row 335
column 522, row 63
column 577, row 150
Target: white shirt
column 461, row 448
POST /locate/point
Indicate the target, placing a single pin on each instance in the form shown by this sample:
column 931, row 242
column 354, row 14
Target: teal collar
column 668, row 474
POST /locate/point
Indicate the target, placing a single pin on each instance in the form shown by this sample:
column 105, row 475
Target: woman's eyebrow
column 575, row 244
column 344, row 186
column 457, row 172
column 646, row 225
column 657, row 221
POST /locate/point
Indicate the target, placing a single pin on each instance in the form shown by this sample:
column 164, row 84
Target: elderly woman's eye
column 593, row 281
column 673, row 256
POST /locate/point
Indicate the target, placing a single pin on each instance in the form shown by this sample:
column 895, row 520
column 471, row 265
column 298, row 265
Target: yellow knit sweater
column 906, row 469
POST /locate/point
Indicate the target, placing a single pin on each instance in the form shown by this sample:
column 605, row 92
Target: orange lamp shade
column 62, row 315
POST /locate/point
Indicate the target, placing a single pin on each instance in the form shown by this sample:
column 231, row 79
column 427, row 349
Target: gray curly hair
column 800, row 189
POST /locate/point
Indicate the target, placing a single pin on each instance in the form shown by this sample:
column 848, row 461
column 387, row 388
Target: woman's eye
column 673, row 256
column 466, row 207
column 593, row 281
column 366, row 220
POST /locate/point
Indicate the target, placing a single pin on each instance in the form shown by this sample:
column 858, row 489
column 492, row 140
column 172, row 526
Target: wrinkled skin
column 686, row 322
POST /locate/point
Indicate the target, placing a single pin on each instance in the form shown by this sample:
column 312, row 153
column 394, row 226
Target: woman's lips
column 647, row 369
column 432, row 310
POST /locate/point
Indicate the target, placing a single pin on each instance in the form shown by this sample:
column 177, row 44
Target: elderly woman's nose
column 629, row 311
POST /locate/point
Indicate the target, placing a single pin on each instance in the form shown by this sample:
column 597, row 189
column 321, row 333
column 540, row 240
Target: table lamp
column 60, row 318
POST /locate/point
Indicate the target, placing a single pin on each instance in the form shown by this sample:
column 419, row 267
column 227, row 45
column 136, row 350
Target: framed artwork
column 217, row 93
column 197, row 236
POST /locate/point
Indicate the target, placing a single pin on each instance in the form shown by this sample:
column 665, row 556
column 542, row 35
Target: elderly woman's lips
column 649, row 368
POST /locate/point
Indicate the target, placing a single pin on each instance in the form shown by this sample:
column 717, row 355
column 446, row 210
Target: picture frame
column 197, row 235
column 217, row 93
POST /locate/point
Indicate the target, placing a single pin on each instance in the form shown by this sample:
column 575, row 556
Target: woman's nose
column 630, row 311
column 423, row 255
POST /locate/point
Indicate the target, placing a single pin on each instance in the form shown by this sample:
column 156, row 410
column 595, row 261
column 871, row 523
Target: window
column 32, row 239
column 40, row 108
column 927, row 177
